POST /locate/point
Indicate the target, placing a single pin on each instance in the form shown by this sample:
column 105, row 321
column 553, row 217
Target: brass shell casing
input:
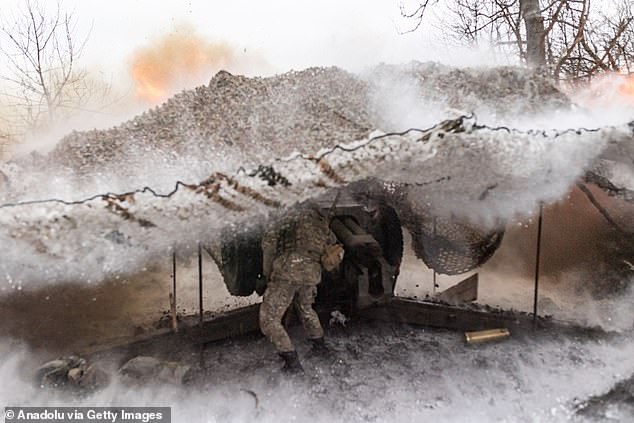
column 482, row 336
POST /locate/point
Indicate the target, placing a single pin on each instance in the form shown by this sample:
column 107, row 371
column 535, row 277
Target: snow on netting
column 218, row 158
column 110, row 234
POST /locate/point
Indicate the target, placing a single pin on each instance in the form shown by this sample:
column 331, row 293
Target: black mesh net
column 446, row 245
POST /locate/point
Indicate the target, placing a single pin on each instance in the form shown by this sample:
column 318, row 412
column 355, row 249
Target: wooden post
column 173, row 295
column 539, row 244
column 433, row 290
column 200, row 287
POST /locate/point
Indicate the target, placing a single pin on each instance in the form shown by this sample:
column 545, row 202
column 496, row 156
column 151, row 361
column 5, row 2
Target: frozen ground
column 377, row 372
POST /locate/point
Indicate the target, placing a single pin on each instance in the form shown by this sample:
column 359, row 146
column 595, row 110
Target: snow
column 377, row 372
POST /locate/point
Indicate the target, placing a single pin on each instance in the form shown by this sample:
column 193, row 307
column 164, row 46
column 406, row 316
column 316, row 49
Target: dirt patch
column 66, row 318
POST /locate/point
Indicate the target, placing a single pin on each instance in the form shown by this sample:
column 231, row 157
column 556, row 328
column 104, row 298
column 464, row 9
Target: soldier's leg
column 304, row 303
column 277, row 297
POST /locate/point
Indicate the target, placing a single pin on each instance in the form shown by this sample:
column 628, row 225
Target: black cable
column 96, row 196
column 459, row 122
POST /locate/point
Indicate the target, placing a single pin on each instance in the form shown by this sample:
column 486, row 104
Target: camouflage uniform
column 292, row 262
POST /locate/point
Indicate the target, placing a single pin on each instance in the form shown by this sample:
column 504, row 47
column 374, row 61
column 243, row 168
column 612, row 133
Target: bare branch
column 575, row 41
column 41, row 50
column 417, row 14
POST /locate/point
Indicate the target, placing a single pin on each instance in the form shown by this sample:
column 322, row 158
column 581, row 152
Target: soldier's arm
column 332, row 238
column 269, row 247
column 333, row 253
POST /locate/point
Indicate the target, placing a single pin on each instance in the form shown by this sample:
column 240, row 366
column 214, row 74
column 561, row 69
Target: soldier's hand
column 332, row 257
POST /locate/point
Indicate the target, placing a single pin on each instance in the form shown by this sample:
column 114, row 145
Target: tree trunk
column 535, row 33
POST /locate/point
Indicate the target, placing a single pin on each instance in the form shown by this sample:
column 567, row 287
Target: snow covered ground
column 377, row 372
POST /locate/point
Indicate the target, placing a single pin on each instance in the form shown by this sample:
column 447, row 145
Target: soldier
column 293, row 254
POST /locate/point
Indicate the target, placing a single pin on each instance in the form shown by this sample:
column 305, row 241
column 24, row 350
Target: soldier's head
column 320, row 211
column 309, row 209
column 308, row 206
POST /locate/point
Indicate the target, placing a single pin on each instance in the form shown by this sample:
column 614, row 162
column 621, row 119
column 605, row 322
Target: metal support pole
column 200, row 287
column 539, row 244
column 174, row 275
column 173, row 294
column 433, row 291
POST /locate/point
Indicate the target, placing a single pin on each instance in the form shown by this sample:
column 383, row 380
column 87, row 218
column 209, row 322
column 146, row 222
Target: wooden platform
column 244, row 321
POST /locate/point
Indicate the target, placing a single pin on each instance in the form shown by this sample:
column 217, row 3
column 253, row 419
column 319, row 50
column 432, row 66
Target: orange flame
column 608, row 90
column 626, row 88
column 175, row 61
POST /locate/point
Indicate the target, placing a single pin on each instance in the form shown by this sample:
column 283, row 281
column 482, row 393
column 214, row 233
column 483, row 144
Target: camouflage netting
column 250, row 117
column 598, row 177
column 494, row 94
column 447, row 245
column 453, row 248
column 265, row 118
column 458, row 180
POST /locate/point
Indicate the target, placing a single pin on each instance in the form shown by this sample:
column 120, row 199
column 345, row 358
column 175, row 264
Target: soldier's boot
column 291, row 362
column 319, row 347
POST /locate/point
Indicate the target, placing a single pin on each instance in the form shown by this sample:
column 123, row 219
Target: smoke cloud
column 176, row 60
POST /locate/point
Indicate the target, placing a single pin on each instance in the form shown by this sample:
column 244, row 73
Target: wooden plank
column 426, row 313
column 235, row 323
column 215, row 328
column 441, row 315
column 461, row 293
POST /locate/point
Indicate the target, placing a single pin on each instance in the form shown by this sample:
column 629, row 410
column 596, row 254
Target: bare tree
column 535, row 32
column 417, row 13
column 4, row 141
column 501, row 19
column 566, row 37
column 6, row 135
column 43, row 82
column 584, row 44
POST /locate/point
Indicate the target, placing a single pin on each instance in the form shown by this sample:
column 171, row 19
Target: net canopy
column 239, row 151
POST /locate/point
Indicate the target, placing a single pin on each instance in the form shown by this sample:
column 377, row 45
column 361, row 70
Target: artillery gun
column 373, row 242
column 368, row 224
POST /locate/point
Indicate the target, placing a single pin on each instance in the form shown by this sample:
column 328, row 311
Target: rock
column 72, row 373
column 55, row 373
column 144, row 369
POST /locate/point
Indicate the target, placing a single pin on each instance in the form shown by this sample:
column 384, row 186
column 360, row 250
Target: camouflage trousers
column 279, row 295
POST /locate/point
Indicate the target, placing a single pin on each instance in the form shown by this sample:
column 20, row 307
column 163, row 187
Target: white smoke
column 51, row 243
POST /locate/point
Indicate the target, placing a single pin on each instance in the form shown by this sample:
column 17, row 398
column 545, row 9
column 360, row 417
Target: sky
column 286, row 34
column 272, row 36
column 148, row 50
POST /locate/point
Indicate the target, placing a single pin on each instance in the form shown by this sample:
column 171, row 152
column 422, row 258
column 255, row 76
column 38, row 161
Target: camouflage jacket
column 298, row 241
